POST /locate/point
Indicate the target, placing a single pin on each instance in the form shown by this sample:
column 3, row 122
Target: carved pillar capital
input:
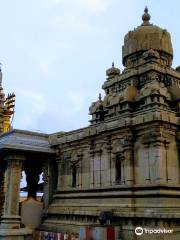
column 15, row 158
column 157, row 138
column 127, row 142
column 98, row 152
column 91, row 153
column 166, row 144
column 146, row 145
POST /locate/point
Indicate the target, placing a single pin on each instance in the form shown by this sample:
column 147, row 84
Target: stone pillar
column 129, row 164
column 10, row 226
column 59, row 177
column 169, row 172
column 92, row 177
column 147, row 163
column 79, row 170
column 160, row 160
column 178, row 148
column 11, row 218
column 113, row 169
column 97, row 167
column 2, row 182
column 49, row 178
column 122, row 161
column 109, row 153
column 46, row 176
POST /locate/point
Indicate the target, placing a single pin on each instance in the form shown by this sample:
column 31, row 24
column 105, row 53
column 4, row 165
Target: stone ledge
column 15, row 232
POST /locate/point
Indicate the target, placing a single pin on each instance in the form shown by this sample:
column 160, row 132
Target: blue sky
column 54, row 54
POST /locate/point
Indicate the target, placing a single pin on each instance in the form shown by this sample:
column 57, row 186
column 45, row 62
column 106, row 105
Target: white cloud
column 25, row 120
column 91, row 5
column 76, row 98
column 56, row 2
column 96, row 5
column 30, row 107
column 36, row 101
column 35, row 110
column 83, row 24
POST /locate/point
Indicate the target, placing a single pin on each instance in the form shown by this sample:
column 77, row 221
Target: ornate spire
column 99, row 96
column 146, row 17
column 110, row 72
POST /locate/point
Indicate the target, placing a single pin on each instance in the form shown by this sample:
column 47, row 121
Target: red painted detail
column 88, row 233
column 110, row 233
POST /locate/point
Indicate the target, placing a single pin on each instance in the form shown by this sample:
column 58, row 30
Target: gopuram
column 118, row 178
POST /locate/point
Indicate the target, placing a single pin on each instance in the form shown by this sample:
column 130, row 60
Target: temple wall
column 153, row 163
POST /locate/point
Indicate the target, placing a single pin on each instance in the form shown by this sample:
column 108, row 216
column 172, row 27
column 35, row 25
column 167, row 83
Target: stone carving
column 117, row 145
column 151, row 54
column 155, row 136
column 155, row 87
column 75, row 156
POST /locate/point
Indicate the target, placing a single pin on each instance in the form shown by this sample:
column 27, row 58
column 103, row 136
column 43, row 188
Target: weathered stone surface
column 31, row 213
column 130, row 156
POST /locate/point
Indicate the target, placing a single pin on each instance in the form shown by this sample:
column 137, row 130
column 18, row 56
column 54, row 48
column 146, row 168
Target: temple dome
column 113, row 71
column 145, row 37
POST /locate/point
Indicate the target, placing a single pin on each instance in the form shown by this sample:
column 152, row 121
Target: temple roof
column 146, row 36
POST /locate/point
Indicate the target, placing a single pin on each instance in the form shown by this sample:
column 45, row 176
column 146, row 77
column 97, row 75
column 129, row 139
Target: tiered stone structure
column 123, row 170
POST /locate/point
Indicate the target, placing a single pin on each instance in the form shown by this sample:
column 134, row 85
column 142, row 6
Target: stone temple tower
column 123, row 169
